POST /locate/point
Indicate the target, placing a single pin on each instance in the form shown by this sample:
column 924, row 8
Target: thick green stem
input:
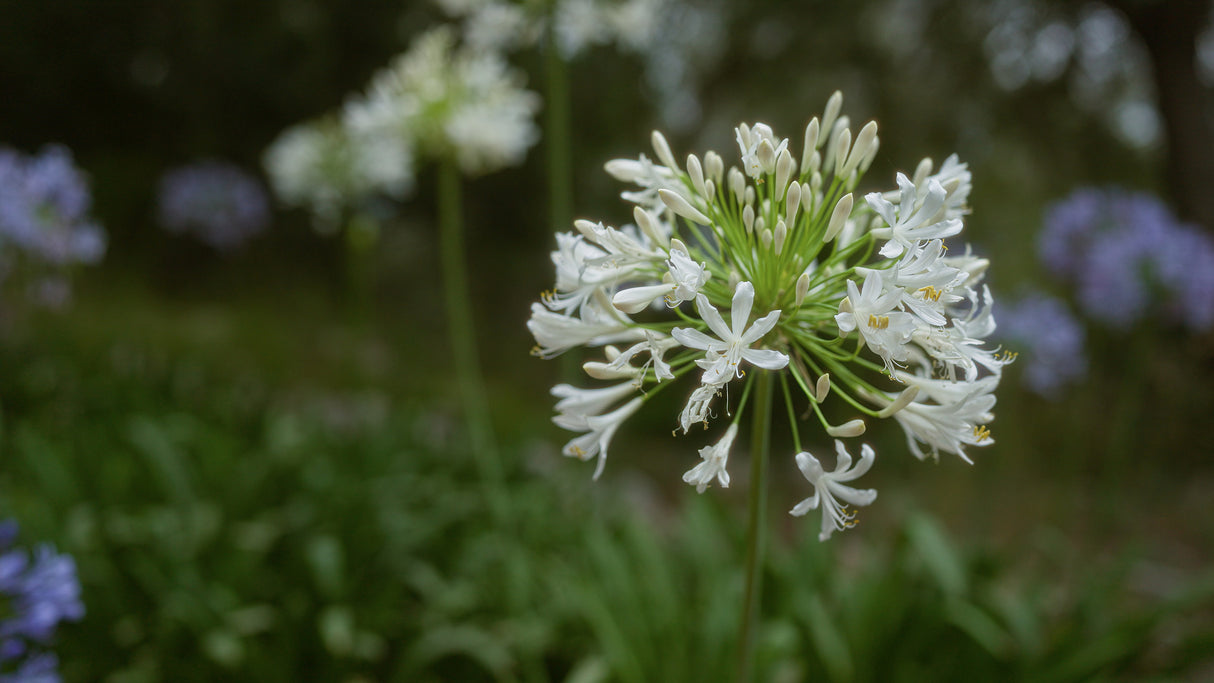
column 462, row 333
column 756, row 532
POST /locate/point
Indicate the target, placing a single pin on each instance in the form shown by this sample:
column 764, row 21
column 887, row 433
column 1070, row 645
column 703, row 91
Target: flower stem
column 760, row 445
column 558, row 144
column 462, row 333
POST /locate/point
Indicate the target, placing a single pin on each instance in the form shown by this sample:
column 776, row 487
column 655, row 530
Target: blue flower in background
column 37, row 592
column 44, row 208
column 1128, row 255
column 1049, row 340
column 1068, row 224
column 216, row 202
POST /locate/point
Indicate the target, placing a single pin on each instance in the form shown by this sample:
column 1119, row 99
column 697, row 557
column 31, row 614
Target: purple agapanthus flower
column 40, row 668
column 38, row 591
column 215, row 201
column 1049, row 340
column 1068, row 225
column 1128, row 256
column 44, row 208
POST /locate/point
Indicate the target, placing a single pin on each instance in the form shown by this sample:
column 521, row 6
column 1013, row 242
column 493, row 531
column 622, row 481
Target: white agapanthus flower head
column 772, row 266
column 448, row 100
column 320, row 167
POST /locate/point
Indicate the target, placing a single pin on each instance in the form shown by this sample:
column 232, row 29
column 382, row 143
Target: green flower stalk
column 773, row 265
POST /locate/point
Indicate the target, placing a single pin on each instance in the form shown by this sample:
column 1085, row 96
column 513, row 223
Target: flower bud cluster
column 774, row 265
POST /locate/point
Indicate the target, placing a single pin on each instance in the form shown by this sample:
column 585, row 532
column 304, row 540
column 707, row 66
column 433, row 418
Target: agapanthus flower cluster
column 217, row 202
column 445, row 100
column 576, row 24
column 319, row 166
column 1049, row 339
column 773, row 265
column 44, row 209
column 38, row 591
column 1127, row 256
column 678, row 41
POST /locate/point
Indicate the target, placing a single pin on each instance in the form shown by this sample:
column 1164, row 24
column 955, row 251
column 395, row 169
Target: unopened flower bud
column 737, row 184
column 780, row 234
column 696, row 174
column 829, row 152
column 765, row 236
column 833, row 105
column 586, row 227
column 904, row 399
column 662, row 149
column 839, row 218
column 842, row 145
column 648, row 225
column 822, row 388
column 858, row 151
column 922, row 171
column 872, row 154
column 784, row 170
column 601, row 370
column 847, row 430
column 792, row 203
column 679, row 204
column 766, row 155
column 714, row 166
column 802, row 289
column 748, row 218
column 811, row 143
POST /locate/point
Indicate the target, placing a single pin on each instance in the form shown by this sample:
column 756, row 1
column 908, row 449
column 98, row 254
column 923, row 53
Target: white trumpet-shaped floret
column 830, row 488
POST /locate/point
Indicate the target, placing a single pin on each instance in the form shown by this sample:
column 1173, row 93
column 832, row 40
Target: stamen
column 981, row 433
column 930, row 292
column 879, row 323
column 1006, row 356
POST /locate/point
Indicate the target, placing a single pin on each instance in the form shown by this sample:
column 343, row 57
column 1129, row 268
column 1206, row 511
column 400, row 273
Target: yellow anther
column 981, row 433
column 930, row 292
column 536, row 351
column 577, row 452
column 1007, row 356
column 878, row 322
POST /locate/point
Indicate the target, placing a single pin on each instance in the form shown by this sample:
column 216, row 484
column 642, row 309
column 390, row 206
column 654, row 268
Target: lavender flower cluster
column 44, row 209
column 1127, row 257
column 214, row 201
column 37, row 592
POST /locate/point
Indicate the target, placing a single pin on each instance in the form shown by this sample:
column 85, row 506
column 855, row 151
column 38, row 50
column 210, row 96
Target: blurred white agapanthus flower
column 788, row 274
column 320, row 167
column 679, row 41
column 446, row 100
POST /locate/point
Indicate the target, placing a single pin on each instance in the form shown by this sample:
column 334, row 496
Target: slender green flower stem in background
column 760, row 446
column 559, row 146
column 360, row 237
column 558, row 139
column 463, row 335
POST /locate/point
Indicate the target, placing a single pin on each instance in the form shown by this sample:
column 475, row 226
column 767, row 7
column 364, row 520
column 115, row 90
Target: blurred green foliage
column 233, row 523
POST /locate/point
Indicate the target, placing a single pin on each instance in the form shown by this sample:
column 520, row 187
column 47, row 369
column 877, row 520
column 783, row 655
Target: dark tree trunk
column 1169, row 30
